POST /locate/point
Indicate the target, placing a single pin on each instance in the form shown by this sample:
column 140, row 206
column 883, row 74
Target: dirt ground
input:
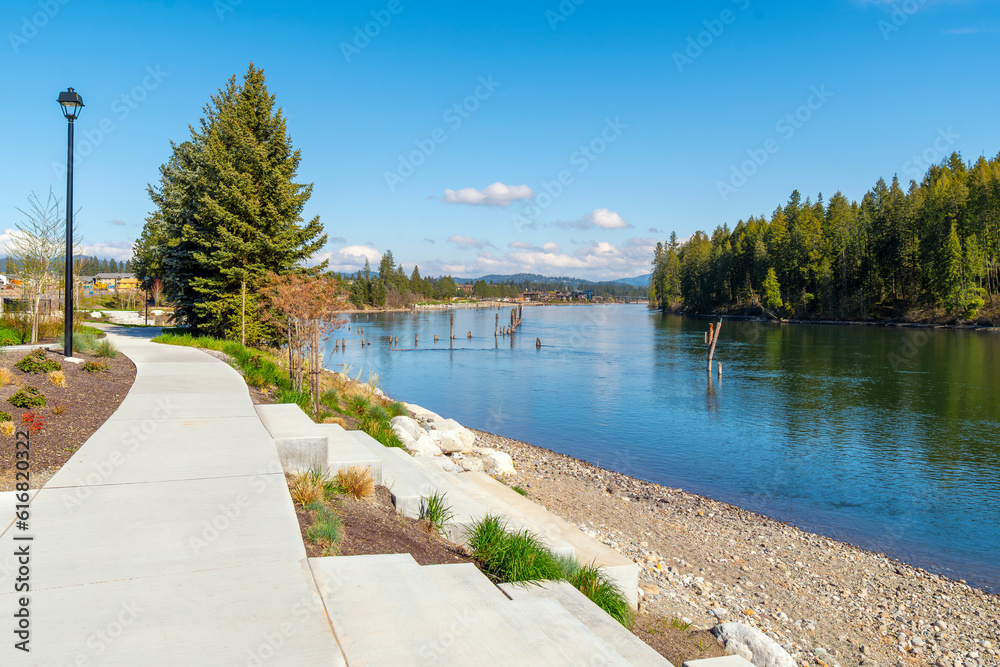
column 71, row 414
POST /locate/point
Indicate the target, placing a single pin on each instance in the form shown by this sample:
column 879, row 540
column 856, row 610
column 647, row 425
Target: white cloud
column 118, row 250
column 597, row 260
column 497, row 194
column 466, row 242
column 601, row 218
column 349, row 259
column 118, row 223
column 606, row 219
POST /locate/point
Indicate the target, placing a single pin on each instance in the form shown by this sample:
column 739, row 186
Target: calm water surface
column 883, row 437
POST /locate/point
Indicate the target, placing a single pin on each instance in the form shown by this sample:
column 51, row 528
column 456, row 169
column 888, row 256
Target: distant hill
column 638, row 281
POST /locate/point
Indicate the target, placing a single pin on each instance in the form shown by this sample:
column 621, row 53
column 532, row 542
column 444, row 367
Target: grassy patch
column 355, row 481
column 434, row 509
column 326, row 529
column 519, row 490
column 519, row 556
column 106, row 349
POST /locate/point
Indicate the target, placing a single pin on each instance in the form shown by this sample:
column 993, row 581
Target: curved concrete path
column 169, row 538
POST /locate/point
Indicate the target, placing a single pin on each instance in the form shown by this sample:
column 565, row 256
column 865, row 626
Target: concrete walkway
column 169, row 538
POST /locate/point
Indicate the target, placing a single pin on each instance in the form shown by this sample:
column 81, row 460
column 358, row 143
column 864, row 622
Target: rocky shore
column 703, row 561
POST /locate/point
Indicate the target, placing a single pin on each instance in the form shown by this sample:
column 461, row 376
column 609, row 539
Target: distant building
column 115, row 282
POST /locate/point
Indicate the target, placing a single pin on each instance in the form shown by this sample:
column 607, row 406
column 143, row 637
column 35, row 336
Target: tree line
column 930, row 251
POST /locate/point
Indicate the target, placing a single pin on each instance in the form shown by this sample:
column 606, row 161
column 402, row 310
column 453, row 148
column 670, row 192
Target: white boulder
column 470, row 464
column 498, row 464
column 423, row 446
column 96, row 313
column 467, row 437
column 422, row 415
column 753, row 645
column 450, row 442
column 407, row 425
column 446, row 464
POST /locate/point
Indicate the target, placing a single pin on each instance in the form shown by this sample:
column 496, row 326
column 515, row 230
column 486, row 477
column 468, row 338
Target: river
column 883, row 437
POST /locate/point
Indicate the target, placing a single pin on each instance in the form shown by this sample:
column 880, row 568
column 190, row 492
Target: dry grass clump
column 356, row 481
column 58, row 378
column 7, row 428
column 306, row 488
column 336, row 420
column 6, row 377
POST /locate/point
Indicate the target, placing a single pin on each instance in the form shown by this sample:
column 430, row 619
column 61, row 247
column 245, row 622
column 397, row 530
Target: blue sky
column 562, row 138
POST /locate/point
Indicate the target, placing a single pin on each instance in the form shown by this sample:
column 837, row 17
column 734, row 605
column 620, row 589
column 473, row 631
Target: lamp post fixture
column 72, row 104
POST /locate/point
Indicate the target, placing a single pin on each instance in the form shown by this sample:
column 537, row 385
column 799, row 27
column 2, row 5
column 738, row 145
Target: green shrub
column 519, row 490
column 378, row 413
column 434, row 509
column 380, row 431
column 519, row 556
column 27, row 397
column 35, row 362
column 106, row 349
column 5, row 416
column 326, row 528
column 592, row 582
column 329, row 399
column 94, row 367
column 358, row 405
column 9, row 337
column 397, row 409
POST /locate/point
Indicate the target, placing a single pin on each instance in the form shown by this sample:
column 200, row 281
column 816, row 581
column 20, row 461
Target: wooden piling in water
column 538, row 343
column 496, row 327
column 435, row 338
column 453, row 326
column 469, row 336
column 715, row 341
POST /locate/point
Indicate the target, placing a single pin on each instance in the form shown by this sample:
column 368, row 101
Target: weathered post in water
column 715, row 340
column 453, row 325
column 538, row 343
column 496, row 327
column 416, row 339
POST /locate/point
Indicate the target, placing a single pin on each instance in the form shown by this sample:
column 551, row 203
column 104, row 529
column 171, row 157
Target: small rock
column 649, row 589
column 753, row 645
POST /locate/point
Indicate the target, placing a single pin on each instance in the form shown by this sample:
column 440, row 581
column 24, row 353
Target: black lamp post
column 72, row 104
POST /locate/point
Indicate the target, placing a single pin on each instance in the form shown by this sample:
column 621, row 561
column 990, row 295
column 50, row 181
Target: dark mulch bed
column 372, row 526
column 71, row 413
column 674, row 644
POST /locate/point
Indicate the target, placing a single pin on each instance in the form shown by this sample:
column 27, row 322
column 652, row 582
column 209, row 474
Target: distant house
column 115, row 282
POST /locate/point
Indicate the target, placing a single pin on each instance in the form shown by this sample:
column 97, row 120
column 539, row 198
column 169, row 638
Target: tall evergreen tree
column 228, row 209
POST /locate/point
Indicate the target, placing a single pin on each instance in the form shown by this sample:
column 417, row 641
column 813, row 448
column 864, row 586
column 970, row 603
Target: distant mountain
column 638, row 281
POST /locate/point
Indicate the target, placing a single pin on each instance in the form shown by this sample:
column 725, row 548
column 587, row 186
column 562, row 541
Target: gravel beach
column 827, row 603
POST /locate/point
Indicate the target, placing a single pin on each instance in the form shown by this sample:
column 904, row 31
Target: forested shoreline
column 930, row 252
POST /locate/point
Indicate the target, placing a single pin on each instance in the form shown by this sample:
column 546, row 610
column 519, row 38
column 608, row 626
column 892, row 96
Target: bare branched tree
column 35, row 245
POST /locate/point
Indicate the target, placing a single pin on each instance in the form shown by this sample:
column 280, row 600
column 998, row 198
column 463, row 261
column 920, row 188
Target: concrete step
column 537, row 632
column 523, row 514
column 619, row 569
column 344, row 451
column 725, row 661
column 579, row 605
column 469, row 505
column 385, row 611
column 408, row 485
column 301, row 446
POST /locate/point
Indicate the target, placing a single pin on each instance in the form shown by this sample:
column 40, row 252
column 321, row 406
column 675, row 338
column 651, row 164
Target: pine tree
column 228, row 209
